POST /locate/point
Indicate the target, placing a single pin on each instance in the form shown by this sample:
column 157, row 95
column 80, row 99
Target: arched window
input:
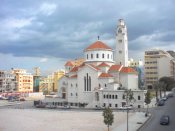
column 91, row 56
column 104, row 96
column 138, row 97
column 112, row 96
column 97, row 55
column 103, row 55
column 87, row 83
column 116, row 96
column 84, row 83
column 109, row 96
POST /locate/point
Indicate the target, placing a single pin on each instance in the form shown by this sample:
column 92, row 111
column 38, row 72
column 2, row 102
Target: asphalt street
column 154, row 122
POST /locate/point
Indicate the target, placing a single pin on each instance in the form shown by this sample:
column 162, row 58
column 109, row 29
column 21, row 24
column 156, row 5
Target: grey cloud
column 76, row 24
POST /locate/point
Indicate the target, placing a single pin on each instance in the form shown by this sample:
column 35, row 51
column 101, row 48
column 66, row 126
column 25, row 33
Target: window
column 120, row 51
column 71, row 85
column 116, row 96
column 138, row 97
column 76, row 94
column 110, row 105
column 104, row 96
column 71, row 94
column 97, row 55
column 123, row 97
column 105, row 85
column 119, row 41
column 139, row 106
column 116, row 105
column 112, row 96
column 91, row 56
column 103, row 55
column 76, row 85
column 109, row 96
column 119, row 30
column 87, row 56
column 104, row 104
column 108, row 56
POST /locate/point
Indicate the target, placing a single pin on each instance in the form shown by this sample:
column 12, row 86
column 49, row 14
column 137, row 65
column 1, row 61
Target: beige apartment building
column 24, row 80
column 158, row 63
column 46, row 85
column 57, row 75
column 135, row 63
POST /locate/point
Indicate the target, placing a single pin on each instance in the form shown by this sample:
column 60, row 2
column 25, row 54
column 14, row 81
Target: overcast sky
column 47, row 33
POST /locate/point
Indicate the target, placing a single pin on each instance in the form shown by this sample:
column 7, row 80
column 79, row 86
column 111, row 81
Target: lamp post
column 129, row 96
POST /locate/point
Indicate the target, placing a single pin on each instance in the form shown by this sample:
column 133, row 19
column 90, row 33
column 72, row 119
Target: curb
column 139, row 129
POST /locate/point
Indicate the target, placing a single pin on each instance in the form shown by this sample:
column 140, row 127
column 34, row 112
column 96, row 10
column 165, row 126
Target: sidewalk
column 134, row 122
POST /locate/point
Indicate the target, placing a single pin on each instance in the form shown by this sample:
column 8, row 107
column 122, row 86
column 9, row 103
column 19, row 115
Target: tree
column 156, row 88
column 170, row 82
column 147, row 99
column 108, row 117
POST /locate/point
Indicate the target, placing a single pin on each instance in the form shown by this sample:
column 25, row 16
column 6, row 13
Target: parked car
column 164, row 120
column 170, row 95
column 161, row 103
column 164, row 98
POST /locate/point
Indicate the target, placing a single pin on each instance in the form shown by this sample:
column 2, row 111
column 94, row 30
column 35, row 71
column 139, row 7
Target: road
column 168, row 109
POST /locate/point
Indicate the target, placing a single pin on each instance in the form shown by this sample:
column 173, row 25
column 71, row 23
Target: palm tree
column 108, row 117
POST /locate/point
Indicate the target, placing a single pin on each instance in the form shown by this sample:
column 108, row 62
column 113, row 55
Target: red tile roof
column 68, row 63
column 73, row 76
column 103, row 64
column 115, row 67
column 94, row 66
column 128, row 70
column 105, row 75
column 98, row 45
column 75, row 69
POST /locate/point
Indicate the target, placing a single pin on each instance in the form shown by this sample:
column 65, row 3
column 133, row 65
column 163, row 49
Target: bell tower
column 121, row 51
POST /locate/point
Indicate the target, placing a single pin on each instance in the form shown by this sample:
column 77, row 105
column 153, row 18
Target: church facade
column 102, row 79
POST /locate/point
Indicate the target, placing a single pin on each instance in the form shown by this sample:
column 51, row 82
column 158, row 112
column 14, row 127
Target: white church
column 102, row 79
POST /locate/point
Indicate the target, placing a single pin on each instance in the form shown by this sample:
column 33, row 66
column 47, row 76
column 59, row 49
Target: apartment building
column 135, row 63
column 8, row 82
column 46, row 85
column 158, row 63
column 57, row 75
column 24, row 80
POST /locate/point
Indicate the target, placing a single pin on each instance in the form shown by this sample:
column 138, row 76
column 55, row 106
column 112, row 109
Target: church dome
column 98, row 52
column 98, row 45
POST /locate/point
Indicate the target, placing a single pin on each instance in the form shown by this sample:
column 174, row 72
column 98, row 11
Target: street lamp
column 128, row 96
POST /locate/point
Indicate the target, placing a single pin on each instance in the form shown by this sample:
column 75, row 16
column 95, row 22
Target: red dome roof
column 98, row 45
